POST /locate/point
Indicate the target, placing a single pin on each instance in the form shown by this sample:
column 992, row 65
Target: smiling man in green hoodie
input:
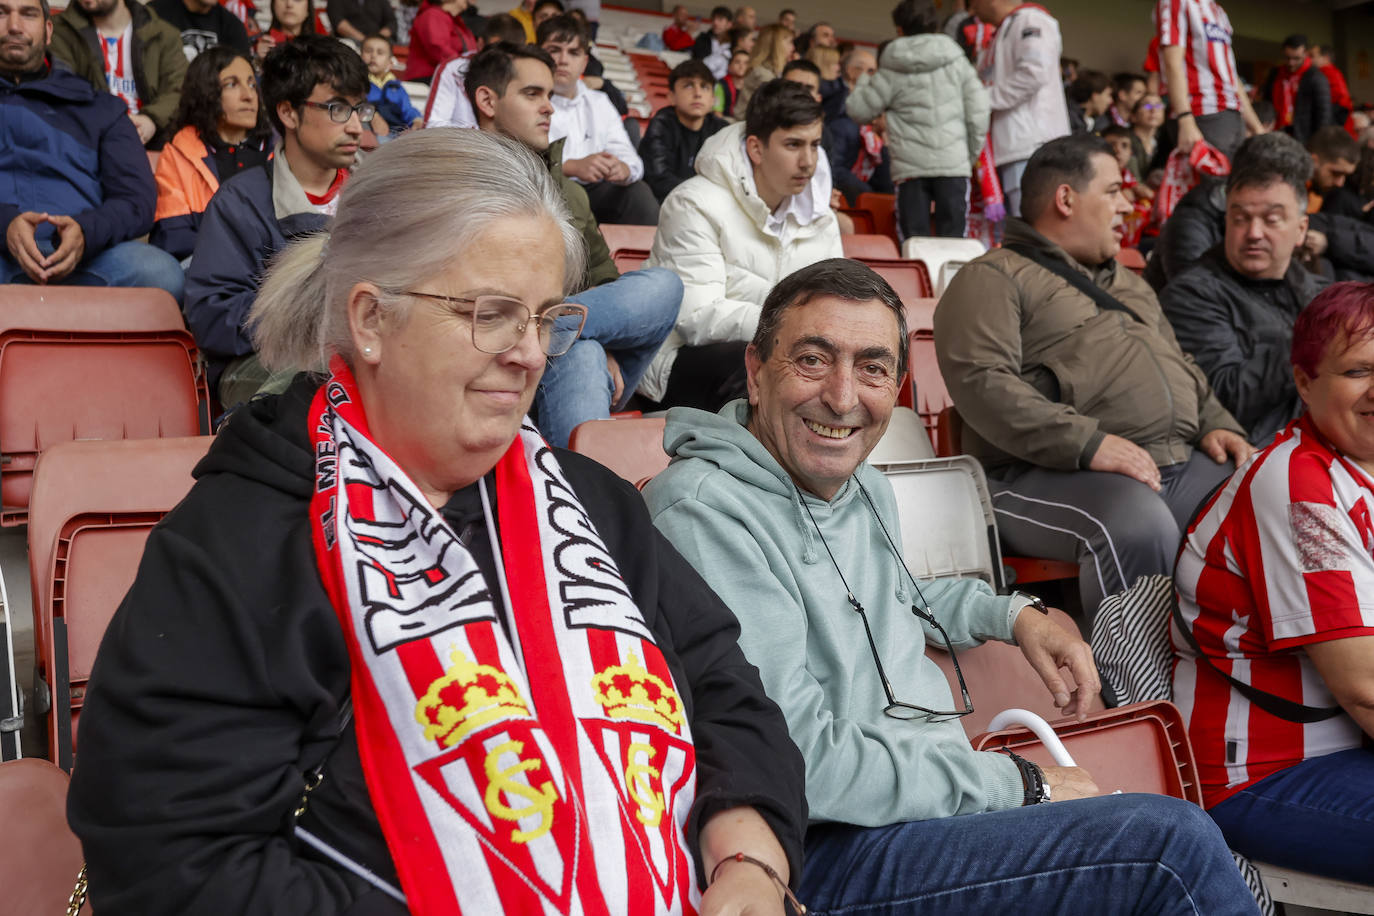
column 771, row 501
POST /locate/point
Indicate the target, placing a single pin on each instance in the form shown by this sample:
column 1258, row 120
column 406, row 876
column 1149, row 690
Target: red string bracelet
column 772, row 873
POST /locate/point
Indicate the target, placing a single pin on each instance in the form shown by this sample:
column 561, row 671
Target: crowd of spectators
column 1113, row 413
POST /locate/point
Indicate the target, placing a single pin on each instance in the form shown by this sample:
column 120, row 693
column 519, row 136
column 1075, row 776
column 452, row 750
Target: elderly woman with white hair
column 393, row 653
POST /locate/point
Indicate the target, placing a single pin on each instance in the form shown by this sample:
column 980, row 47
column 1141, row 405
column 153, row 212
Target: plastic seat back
column 904, row 440
column 628, row 259
column 908, row 278
column 632, row 448
column 929, row 394
column 884, row 210
column 1131, row 259
column 94, row 504
column 942, row 257
column 638, row 238
column 946, row 519
column 85, row 363
column 39, row 855
column 869, row 246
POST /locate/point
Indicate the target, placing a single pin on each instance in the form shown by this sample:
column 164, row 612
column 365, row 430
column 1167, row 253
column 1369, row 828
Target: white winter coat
column 937, row 108
column 713, row 233
column 1021, row 70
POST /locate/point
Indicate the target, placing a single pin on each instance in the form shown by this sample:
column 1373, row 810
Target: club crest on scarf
column 514, row 792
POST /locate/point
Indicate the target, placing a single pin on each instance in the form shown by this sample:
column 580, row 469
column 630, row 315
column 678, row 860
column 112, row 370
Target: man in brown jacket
column 1099, row 435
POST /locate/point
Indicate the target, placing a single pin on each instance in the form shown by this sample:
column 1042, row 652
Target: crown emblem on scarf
column 631, row 692
column 465, row 698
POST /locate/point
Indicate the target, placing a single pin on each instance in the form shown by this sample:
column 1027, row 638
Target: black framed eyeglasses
column 498, row 322
column 340, row 112
column 896, row 708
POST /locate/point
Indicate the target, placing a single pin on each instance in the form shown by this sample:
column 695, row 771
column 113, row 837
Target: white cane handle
column 1039, row 726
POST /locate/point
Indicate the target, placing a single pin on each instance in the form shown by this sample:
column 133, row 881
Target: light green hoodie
column 734, row 513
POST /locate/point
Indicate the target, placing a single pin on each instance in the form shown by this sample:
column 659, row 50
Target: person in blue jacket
column 75, row 186
column 395, row 113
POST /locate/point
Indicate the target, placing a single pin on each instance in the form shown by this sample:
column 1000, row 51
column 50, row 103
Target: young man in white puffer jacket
column 937, row 120
column 757, row 210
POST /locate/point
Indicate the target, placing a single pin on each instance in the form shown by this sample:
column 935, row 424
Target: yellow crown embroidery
column 467, row 697
column 630, row 692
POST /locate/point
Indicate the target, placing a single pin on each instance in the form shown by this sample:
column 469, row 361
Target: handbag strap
column 1061, row 268
column 1271, row 703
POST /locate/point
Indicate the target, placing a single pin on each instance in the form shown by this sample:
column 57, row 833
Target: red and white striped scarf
column 1286, row 98
column 547, row 768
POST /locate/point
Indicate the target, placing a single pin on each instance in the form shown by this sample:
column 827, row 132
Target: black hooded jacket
column 1240, row 331
column 669, row 149
column 222, row 677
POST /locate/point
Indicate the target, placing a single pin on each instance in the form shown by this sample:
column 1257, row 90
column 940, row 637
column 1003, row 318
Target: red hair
column 1341, row 309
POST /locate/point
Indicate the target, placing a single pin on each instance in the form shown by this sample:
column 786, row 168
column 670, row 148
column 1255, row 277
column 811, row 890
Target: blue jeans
column 629, row 319
column 1315, row 817
column 1117, row 854
column 125, row 264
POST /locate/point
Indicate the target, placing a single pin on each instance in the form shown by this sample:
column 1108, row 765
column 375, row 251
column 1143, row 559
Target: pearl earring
column 367, row 350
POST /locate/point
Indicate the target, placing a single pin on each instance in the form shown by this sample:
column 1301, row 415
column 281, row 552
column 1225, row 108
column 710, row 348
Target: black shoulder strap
column 1271, row 703
column 1057, row 266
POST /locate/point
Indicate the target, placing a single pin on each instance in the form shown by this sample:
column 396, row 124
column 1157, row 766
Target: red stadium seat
column 884, row 210
column 40, row 857
column 632, row 447
column 863, row 220
column 1131, row 259
column 639, row 238
column 908, row 278
column 84, row 363
column 93, row 506
column 869, row 246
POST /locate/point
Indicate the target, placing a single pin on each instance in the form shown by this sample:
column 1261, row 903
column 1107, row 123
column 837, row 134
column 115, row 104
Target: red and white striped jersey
column 1203, row 30
column 1282, row 557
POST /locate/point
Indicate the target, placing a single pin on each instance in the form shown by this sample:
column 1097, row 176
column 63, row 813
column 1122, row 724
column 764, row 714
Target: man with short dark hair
column 771, row 501
column 124, row 48
column 203, row 24
column 315, row 91
column 788, row 20
column 1233, row 311
column 1099, row 435
column 511, row 90
column 75, row 187
column 820, row 35
column 676, row 132
column 804, row 73
column 597, row 153
column 1335, row 156
column 758, row 209
column 1299, row 91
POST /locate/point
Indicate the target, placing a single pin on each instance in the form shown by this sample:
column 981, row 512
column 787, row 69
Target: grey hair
column 405, row 215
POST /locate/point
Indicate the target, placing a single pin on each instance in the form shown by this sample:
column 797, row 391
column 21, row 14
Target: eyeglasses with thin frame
column 340, row 112
column 896, row 708
column 499, row 323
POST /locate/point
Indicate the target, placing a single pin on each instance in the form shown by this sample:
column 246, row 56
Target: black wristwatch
column 1036, row 789
column 1033, row 601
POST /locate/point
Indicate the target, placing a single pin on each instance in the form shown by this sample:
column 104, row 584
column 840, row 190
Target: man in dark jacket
column 1234, row 309
column 71, row 211
column 715, row 41
column 1199, row 221
column 1098, row 433
column 628, row 317
column 1299, row 91
column 315, row 91
column 123, row 47
column 675, row 135
column 203, row 24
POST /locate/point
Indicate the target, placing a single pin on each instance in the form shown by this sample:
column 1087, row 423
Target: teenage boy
column 757, row 210
column 1127, row 90
column 714, row 43
column 448, row 104
column 315, row 91
column 675, row 135
column 598, row 153
column 511, row 90
column 386, row 93
column 123, row 47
